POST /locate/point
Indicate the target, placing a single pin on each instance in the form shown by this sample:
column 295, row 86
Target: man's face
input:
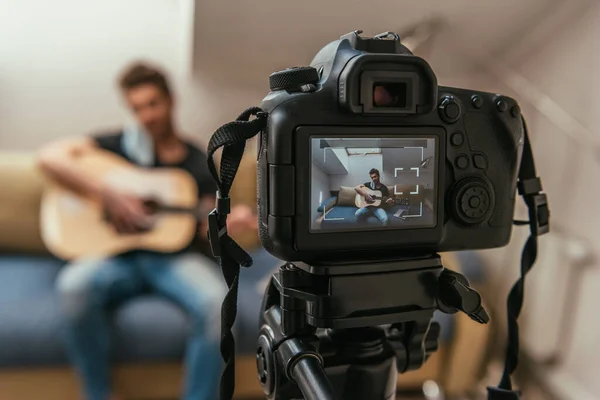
column 375, row 178
column 152, row 108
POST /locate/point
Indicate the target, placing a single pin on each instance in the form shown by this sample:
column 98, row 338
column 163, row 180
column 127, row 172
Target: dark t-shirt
column 384, row 189
column 194, row 163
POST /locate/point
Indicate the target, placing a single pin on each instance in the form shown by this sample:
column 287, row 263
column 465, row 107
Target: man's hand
column 369, row 198
column 125, row 212
column 389, row 200
column 241, row 220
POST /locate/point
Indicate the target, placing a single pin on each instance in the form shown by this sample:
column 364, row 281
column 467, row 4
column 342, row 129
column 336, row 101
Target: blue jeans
column 363, row 213
column 87, row 287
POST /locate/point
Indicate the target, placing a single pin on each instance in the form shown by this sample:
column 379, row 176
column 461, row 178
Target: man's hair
column 374, row 171
column 140, row 73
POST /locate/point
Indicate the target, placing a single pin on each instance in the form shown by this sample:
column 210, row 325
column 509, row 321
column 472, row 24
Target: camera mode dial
column 472, row 201
column 293, row 79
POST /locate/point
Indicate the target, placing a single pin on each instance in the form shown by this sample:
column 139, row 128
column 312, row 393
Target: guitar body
column 361, row 202
column 73, row 226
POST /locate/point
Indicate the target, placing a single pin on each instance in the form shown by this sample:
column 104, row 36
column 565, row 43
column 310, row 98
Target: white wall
column 290, row 33
column 565, row 69
column 358, row 171
column 407, row 159
column 319, row 192
column 59, row 59
column 330, row 160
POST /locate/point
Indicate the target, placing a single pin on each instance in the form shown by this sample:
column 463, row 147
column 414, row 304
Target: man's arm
column 57, row 161
column 386, row 193
column 360, row 190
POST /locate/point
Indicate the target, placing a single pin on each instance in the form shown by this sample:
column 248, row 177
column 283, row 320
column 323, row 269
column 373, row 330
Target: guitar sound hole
column 152, row 206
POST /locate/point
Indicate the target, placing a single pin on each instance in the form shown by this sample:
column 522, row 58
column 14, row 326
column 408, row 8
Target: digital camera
column 365, row 155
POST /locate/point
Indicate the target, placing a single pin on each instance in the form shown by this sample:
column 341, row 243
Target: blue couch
column 149, row 333
column 338, row 216
column 30, row 324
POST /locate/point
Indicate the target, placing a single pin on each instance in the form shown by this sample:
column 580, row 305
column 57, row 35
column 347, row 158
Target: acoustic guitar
column 378, row 198
column 73, row 226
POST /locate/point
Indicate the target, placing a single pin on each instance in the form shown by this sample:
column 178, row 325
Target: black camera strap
column 530, row 187
column 233, row 136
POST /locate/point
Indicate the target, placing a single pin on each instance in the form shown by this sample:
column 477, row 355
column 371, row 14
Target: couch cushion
column 346, row 196
column 243, row 191
column 147, row 328
column 29, row 327
column 21, row 188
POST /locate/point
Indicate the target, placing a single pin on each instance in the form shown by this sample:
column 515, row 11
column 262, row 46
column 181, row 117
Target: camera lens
column 387, row 94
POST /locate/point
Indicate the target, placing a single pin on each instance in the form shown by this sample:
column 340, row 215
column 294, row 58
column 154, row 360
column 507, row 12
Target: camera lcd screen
column 362, row 183
column 390, row 94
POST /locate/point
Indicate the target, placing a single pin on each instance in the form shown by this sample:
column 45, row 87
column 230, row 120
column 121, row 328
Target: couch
column 338, row 211
column 149, row 333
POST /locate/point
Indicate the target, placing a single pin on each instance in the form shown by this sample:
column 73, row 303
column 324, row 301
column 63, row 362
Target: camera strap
column 232, row 138
column 530, row 187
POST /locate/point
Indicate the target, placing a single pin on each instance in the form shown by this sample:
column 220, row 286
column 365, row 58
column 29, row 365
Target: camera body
column 365, row 156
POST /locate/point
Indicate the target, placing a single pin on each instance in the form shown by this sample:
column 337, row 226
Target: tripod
column 345, row 330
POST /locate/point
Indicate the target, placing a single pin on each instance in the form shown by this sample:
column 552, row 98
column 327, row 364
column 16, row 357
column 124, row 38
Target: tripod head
column 347, row 331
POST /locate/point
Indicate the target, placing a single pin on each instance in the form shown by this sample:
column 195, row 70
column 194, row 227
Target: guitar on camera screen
column 360, row 183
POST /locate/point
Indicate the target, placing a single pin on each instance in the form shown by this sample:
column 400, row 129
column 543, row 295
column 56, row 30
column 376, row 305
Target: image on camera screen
column 372, row 183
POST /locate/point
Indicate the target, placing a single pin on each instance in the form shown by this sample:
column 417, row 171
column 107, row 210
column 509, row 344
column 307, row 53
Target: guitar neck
column 194, row 211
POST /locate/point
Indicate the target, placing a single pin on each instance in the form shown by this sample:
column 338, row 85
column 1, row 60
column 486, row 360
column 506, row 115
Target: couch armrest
column 327, row 204
column 21, row 188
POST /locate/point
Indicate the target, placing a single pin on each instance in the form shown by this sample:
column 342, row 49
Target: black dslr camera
column 447, row 158
column 367, row 169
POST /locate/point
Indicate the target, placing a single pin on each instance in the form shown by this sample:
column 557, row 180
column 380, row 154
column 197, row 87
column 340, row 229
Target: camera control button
column 449, row 110
column 472, row 201
column 502, row 105
column 462, row 162
column 477, row 101
column 480, row 161
column 452, row 111
column 515, row 111
column 457, row 139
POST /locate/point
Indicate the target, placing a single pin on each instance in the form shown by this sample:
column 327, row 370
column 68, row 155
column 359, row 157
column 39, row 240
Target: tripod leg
column 310, row 377
column 288, row 366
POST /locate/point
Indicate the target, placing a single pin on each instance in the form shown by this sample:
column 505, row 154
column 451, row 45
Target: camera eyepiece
column 382, row 76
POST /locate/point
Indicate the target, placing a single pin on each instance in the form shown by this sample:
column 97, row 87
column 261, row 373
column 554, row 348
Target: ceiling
column 256, row 38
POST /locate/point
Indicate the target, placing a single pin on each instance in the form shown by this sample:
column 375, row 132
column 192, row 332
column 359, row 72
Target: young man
column 189, row 279
column 378, row 212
